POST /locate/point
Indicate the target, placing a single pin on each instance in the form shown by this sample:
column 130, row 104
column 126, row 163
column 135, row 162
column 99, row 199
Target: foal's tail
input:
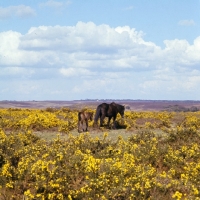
column 97, row 115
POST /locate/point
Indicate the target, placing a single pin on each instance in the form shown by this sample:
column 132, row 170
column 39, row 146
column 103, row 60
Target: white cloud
column 104, row 60
column 21, row 11
column 177, row 45
column 87, row 45
column 9, row 52
column 186, row 23
column 83, row 37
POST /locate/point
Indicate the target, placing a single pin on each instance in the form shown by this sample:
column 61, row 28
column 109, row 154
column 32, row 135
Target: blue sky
column 114, row 49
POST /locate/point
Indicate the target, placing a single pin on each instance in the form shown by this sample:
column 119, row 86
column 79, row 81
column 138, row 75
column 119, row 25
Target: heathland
column 153, row 154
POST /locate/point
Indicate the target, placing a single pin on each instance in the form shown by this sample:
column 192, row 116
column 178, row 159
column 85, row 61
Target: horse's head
column 121, row 112
column 91, row 116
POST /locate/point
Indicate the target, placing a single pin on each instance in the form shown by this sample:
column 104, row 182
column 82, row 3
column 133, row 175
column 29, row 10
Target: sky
column 99, row 49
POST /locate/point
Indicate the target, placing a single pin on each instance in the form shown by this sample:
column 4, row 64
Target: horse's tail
column 79, row 116
column 97, row 114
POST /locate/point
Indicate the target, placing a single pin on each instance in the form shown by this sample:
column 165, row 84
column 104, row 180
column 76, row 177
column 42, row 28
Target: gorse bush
column 145, row 166
column 62, row 120
column 148, row 165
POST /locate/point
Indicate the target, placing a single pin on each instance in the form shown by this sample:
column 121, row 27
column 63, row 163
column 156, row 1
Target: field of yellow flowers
column 160, row 159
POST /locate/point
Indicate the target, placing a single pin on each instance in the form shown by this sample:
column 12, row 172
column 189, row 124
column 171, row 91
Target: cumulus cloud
column 87, row 45
column 9, row 52
column 21, row 11
column 110, row 59
column 88, row 37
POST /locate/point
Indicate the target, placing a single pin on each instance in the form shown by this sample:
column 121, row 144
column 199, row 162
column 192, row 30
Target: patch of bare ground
column 112, row 134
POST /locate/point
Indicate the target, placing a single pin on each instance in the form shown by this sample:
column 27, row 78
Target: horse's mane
column 119, row 106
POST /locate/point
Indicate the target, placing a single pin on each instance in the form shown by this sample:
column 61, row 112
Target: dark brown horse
column 108, row 110
column 83, row 117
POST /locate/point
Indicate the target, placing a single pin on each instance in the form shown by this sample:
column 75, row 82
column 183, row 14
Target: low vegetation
column 159, row 160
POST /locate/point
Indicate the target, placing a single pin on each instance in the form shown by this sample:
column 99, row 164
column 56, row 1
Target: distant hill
column 134, row 105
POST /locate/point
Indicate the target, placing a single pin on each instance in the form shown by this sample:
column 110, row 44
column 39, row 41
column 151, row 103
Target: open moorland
column 153, row 154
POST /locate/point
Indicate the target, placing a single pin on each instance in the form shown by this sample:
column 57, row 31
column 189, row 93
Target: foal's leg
column 86, row 124
column 79, row 126
column 82, row 125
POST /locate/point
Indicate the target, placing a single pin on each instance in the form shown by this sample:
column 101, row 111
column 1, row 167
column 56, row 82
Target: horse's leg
column 101, row 120
column 79, row 126
column 108, row 124
column 114, row 122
